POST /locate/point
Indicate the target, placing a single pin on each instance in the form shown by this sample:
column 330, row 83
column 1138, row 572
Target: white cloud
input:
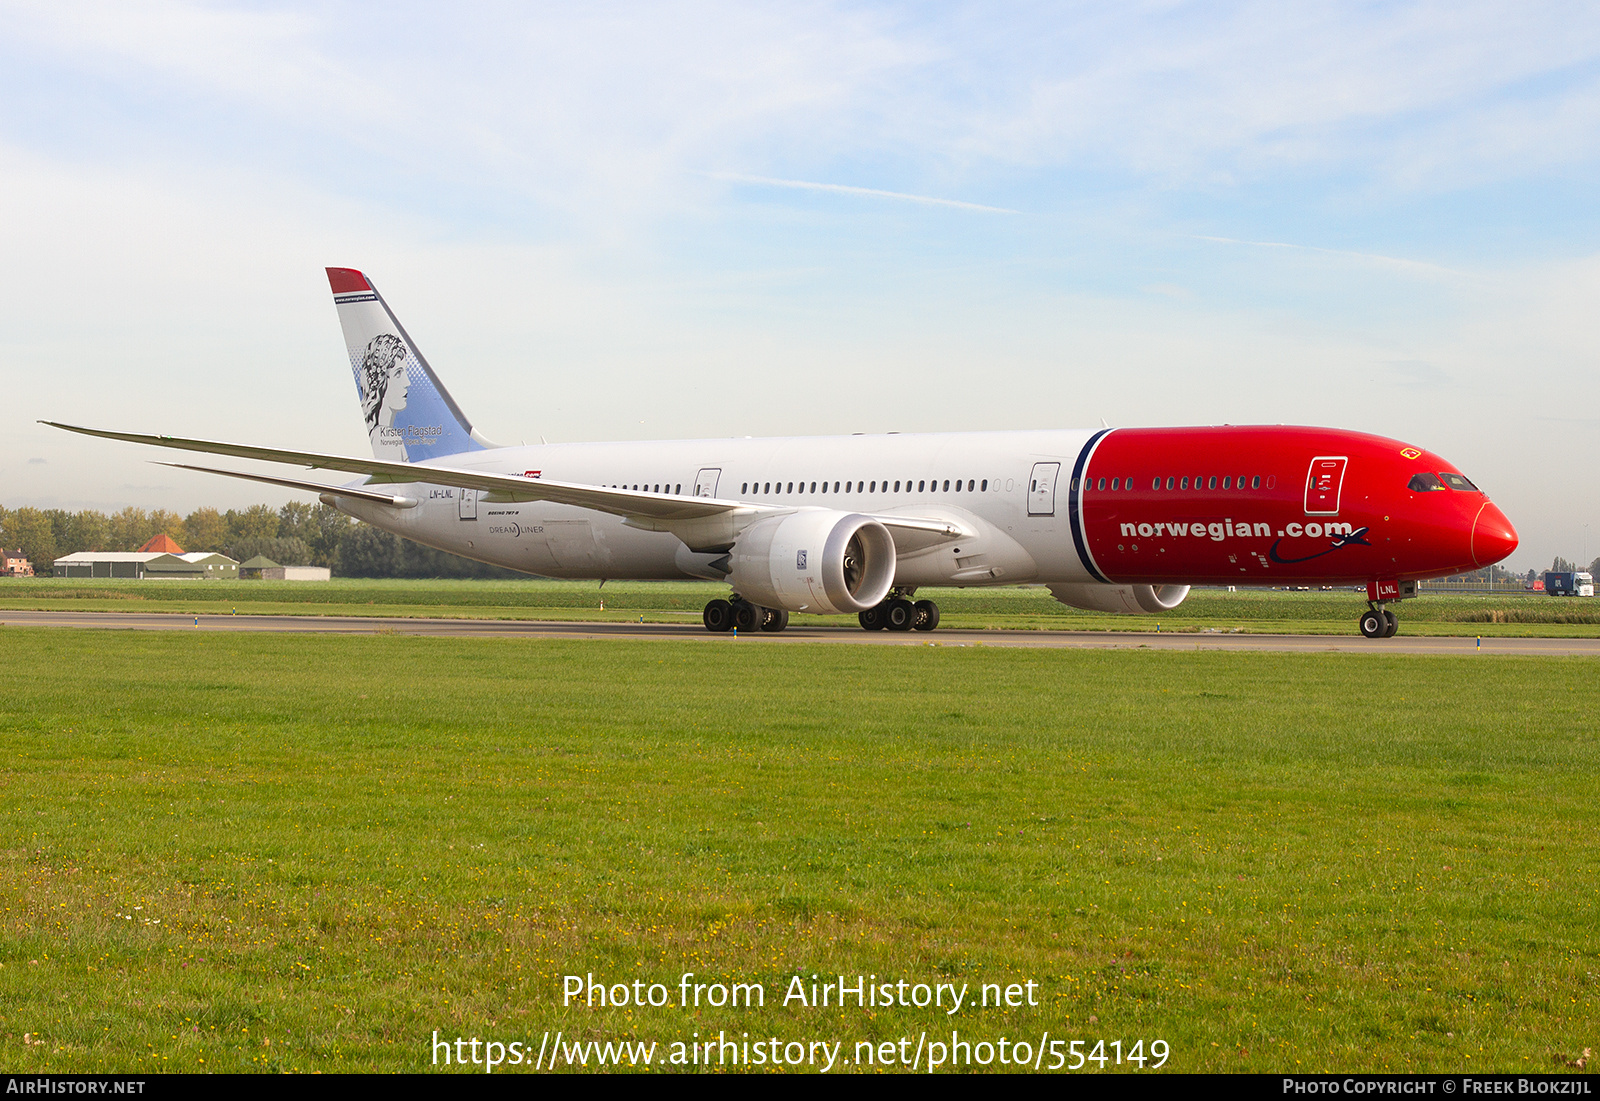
column 270, row 58
column 613, row 106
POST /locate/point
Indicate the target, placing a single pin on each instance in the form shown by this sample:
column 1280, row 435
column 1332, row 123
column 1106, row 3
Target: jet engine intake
column 1122, row 599
column 814, row 561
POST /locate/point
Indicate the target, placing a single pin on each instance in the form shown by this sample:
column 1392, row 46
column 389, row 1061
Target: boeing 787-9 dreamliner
column 1114, row 519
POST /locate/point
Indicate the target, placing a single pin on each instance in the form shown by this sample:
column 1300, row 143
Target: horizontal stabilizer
column 314, row 487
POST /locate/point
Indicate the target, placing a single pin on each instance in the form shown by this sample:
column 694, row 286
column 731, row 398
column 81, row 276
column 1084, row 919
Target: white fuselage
column 1013, row 539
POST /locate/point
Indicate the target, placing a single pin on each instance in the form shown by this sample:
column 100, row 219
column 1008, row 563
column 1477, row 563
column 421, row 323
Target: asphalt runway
column 1099, row 640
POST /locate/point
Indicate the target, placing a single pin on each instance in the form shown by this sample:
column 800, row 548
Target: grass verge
column 229, row 852
column 1012, row 608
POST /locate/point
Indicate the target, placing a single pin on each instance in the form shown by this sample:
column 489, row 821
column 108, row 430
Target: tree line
column 1501, row 575
column 298, row 534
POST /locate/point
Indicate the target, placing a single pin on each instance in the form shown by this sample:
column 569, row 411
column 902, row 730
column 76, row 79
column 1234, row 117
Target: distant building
column 250, row 569
column 13, row 563
column 265, row 569
column 217, row 567
column 148, row 565
column 161, row 559
column 296, row 573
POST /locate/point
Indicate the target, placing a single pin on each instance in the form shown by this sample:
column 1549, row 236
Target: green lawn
column 1011, row 608
column 236, row 852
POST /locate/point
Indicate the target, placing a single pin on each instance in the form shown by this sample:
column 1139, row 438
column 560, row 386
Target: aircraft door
column 469, row 504
column 1042, row 489
column 1323, row 482
column 705, row 483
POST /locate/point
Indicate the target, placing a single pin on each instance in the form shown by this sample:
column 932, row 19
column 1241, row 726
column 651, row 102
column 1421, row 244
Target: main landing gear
column 726, row 615
column 899, row 614
column 1379, row 622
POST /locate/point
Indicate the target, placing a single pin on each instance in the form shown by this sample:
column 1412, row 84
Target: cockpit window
column 1456, row 481
column 1425, row 483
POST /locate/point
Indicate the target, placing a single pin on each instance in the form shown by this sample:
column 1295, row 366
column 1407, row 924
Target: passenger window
column 1212, row 484
column 1456, row 481
column 1425, row 483
column 947, row 485
column 1184, row 484
column 1226, row 482
column 1169, row 481
column 1101, row 484
column 744, row 488
column 1255, row 483
column 921, row 485
column 985, row 487
column 897, row 485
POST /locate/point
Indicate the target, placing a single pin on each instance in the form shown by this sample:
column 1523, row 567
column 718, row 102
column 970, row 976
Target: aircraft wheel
column 1373, row 623
column 873, row 619
column 718, row 615
column 1391, row 624
column 776, row 620
column 927, row 615
column 899, row 615
column 747, row 616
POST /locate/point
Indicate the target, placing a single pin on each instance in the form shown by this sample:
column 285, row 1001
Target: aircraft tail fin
column 409, row 413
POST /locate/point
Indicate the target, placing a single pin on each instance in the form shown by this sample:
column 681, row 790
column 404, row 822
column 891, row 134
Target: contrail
column 808, row 185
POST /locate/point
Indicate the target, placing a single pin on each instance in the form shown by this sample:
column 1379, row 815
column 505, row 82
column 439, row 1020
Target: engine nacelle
column 1123, row 599
column 814, row 561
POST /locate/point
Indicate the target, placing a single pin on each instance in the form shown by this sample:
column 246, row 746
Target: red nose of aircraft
column 1493, row 537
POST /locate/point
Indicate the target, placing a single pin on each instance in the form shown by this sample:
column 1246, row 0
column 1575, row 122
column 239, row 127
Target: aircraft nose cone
column 1493, row 537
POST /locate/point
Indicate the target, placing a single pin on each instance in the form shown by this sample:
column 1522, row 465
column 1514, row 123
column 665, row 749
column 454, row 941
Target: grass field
column 1013, row 608
column 231, row 852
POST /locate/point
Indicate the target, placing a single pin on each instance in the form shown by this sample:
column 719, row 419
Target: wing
column 500, row 487
column 699, row 521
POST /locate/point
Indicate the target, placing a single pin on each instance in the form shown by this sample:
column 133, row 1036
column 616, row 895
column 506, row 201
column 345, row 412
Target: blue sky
column 616, row 221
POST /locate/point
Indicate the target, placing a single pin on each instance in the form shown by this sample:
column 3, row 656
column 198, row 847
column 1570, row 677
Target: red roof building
column 161, row 544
